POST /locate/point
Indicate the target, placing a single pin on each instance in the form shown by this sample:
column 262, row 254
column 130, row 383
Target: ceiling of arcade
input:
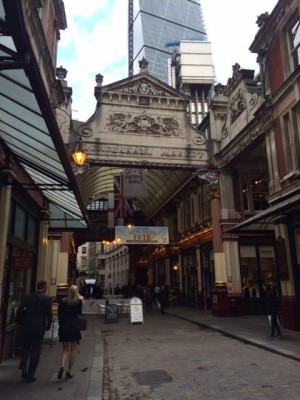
column 97, row 182
column 139, row 123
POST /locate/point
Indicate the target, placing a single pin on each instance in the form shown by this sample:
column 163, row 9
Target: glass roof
column 97, row 182
column 24, row 131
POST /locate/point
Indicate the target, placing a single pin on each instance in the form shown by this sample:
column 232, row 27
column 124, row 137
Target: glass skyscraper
column 155, row 30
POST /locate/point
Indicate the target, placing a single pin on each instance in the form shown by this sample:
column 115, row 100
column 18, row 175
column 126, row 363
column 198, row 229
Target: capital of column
column 9, row 176
column 214, row 192
column 209, row 176
column 45, row 215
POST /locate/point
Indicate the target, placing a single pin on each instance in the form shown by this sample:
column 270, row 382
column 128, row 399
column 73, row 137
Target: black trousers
column 31, row 349
column 275, row 325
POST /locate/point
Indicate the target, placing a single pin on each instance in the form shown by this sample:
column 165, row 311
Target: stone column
column 198, row 279
column 220, row 306
column 289, row 308
column 42, row 261
column 5, row 202
column 180, row 270
column 53, row 260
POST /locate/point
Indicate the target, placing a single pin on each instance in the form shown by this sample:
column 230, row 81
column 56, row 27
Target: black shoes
column 60, row 373
column 30, row 379
column 24, row 373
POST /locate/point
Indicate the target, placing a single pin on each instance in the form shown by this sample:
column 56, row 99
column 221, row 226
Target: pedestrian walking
column 163, row 299
column 35, row 317
column 148, row 299
column 69, row 310
column 272, row 309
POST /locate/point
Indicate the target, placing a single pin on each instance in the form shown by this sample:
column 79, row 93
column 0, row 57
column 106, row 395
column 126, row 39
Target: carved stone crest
column 144, row 87
column 143, row 124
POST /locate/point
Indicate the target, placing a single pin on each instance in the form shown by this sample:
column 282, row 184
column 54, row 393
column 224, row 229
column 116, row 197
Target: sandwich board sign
column 111, row 313
column 136, row 310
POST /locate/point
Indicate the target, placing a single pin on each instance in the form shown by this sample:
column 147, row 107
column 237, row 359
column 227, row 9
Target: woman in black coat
column 69, row 310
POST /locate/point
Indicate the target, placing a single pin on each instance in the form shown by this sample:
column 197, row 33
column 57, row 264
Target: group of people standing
column 159, row 294
column 35, row 317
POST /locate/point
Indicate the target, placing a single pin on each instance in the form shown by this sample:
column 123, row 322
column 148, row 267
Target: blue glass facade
column 157, row 28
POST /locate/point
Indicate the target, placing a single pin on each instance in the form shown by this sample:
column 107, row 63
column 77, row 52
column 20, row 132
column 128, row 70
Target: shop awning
column 28, row 126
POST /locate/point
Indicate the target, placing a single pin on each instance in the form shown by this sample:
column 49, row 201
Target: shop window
column 296, row 134
column 187, row 214
column 17, row 281
column 200, row 205
column 98, row 205
column 20, row 223
column 31, row 230
column 258, row 267
column 204, row 204
column 255, row 189
column 192, row 211
column 288, row 143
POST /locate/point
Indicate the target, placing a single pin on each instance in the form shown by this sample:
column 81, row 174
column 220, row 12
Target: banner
column 142, row 235
column 134, row 182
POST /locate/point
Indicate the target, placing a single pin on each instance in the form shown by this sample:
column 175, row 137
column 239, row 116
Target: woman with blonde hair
column 69, row 309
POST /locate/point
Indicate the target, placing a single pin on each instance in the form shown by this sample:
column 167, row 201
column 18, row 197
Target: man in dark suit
column 35, row 317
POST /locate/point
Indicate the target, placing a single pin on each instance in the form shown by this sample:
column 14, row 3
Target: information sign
column 136, row 310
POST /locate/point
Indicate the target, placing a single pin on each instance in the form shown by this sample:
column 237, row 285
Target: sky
column 95, row 41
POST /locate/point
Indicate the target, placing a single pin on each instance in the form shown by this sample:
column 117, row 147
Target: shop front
column 189, row 278
column 258, row 267
column 19, row 270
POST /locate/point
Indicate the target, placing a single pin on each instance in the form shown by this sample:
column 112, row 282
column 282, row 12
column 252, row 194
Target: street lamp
column 79, row 155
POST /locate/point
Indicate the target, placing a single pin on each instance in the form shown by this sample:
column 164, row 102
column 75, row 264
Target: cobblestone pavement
column 167, row 358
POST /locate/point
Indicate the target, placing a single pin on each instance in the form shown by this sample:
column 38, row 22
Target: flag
column 123, row 207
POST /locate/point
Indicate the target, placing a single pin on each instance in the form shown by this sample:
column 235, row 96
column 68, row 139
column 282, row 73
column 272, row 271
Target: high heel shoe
column 60, row 373
column 68, row 375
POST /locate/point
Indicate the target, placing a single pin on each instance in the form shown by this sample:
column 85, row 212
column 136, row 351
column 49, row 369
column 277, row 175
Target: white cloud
column 231, row 28
column 96, row 42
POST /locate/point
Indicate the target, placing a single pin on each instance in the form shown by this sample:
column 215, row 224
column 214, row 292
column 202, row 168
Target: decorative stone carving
column 143, row 64
column 144, row 87
column 237, row 105
column 186, row 90
column 99, row 79
column 262, row 19
column 225, row 131
column 253, row 101
column 143, row 124
column 235, row 68
column 209, row 176
column 61, row 73
column 219, row 89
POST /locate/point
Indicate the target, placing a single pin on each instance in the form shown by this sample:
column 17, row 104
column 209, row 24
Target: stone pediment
column 140, row 121
column 141, row 85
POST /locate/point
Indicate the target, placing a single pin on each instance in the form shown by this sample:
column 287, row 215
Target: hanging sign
column 142, row 235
